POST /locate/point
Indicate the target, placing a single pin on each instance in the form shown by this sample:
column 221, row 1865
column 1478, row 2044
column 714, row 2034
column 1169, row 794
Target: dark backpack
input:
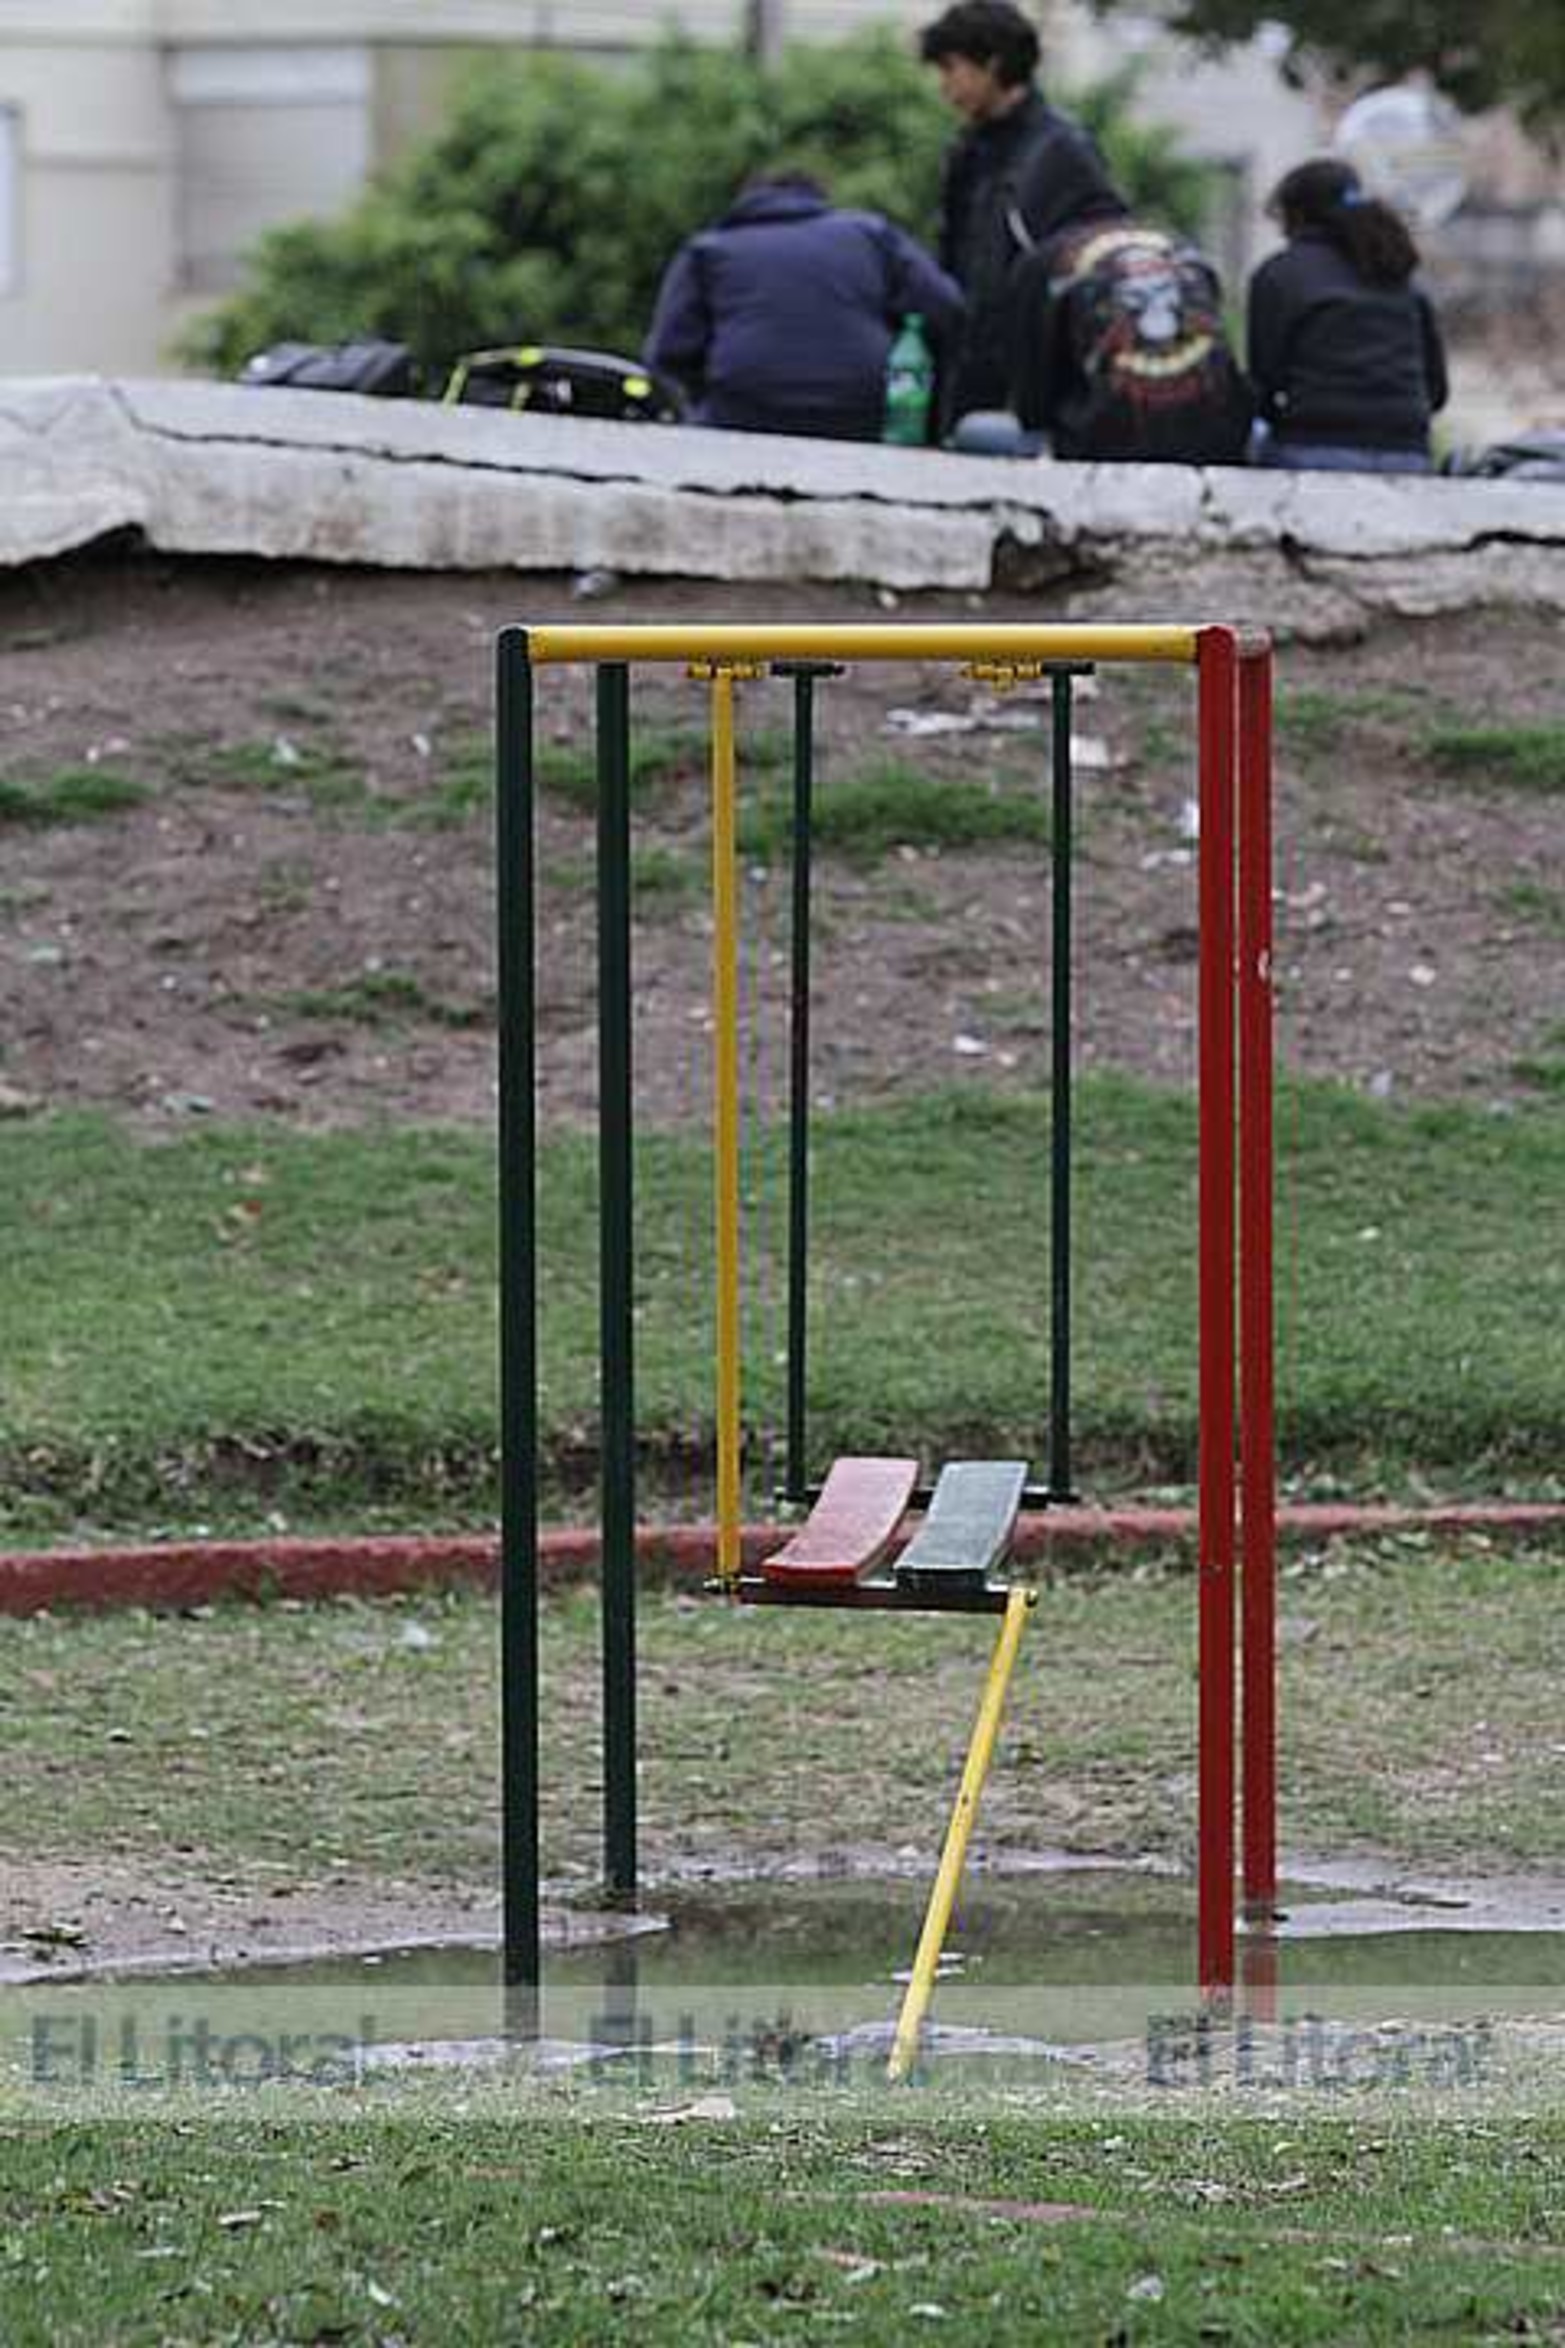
column 383, row 369
column 1531, row 456
column 1140, row 318
column 545, row 379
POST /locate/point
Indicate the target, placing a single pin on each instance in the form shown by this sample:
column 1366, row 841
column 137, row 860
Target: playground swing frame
column 1236, row 1476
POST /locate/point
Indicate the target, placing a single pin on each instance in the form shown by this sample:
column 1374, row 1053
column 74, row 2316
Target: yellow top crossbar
column 914, row 641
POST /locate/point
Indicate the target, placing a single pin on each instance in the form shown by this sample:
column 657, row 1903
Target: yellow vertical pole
column 942, row 1899
column 725, row 1020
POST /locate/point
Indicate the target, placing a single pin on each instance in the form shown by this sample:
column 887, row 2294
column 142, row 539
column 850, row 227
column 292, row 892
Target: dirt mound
column 249, row 870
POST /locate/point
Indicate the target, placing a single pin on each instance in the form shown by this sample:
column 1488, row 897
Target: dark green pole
column 518, row 1318
column 616, row 1285
column 799, row 1087
column 1060, row 1103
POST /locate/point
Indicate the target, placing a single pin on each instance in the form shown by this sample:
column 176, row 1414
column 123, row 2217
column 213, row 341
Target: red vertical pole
column 1257, row 1441
column 1260, row 1974
column 1217, row 663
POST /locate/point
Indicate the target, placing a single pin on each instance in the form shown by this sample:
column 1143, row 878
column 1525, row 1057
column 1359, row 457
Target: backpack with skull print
column 1142, row 315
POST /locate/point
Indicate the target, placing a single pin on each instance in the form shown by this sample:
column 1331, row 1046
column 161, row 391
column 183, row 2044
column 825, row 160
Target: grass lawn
column 327, row 1742
column 341, row 1742
column 434, row 2223
column 239, row 1324
column 236, row 1326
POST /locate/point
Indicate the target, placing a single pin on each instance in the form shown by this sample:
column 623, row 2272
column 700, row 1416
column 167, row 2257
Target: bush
column 548, row 205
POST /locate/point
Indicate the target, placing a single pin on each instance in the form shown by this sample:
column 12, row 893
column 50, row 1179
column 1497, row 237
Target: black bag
column 1138, row 320
column 383, row 369
column 1531, row 456
column 548, row 380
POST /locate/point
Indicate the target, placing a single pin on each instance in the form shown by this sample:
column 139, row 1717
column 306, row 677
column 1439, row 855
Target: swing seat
column 968, row 1529
column 850, row 1528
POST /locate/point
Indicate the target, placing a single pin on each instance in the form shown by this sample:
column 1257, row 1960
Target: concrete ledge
column 172, row 1574
column 211, row 469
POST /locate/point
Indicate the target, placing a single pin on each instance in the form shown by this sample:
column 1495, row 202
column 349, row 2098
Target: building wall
column 262, row 134
column 144, row 144
column 90, row 198
column 578, row 24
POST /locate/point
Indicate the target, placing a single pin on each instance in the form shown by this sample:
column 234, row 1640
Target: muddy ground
column 61, row 1920
column 294, row 918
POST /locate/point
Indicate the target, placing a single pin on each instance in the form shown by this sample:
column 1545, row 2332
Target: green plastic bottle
column 910, row 386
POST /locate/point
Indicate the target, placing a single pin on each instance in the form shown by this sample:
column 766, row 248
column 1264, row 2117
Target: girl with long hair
column 1344, row 347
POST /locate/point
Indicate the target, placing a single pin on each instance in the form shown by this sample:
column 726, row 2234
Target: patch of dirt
column 57, row 1916
column 296, row 920
column 60, row 1918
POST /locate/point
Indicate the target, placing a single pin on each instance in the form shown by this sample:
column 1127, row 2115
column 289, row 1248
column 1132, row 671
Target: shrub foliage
column 549, row 202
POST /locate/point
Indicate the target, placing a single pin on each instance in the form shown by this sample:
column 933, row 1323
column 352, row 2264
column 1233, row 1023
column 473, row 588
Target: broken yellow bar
column 921, row 1985
column 916, row 641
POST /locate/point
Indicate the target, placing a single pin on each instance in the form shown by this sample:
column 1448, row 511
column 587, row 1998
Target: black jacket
column 1338, row 361
column 1010, row 184
column 781, row 318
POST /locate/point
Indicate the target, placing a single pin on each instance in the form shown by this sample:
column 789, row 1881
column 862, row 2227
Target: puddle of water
column 1096, row 1931
column 833, row 1935
column 1040, row 1967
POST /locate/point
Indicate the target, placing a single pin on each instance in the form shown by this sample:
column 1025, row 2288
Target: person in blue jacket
column 780, row 318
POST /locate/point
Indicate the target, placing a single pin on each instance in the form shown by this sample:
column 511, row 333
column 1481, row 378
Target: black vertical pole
column 616, row 1285
column 518, row 1313
column 1060, row 1104
column 796, row 1463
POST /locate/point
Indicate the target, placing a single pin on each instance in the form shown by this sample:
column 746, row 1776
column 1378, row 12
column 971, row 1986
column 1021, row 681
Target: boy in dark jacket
column 782, row 316
column 1018, row 176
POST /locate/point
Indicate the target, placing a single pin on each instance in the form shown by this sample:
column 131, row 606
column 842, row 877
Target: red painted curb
column 194, row 1573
